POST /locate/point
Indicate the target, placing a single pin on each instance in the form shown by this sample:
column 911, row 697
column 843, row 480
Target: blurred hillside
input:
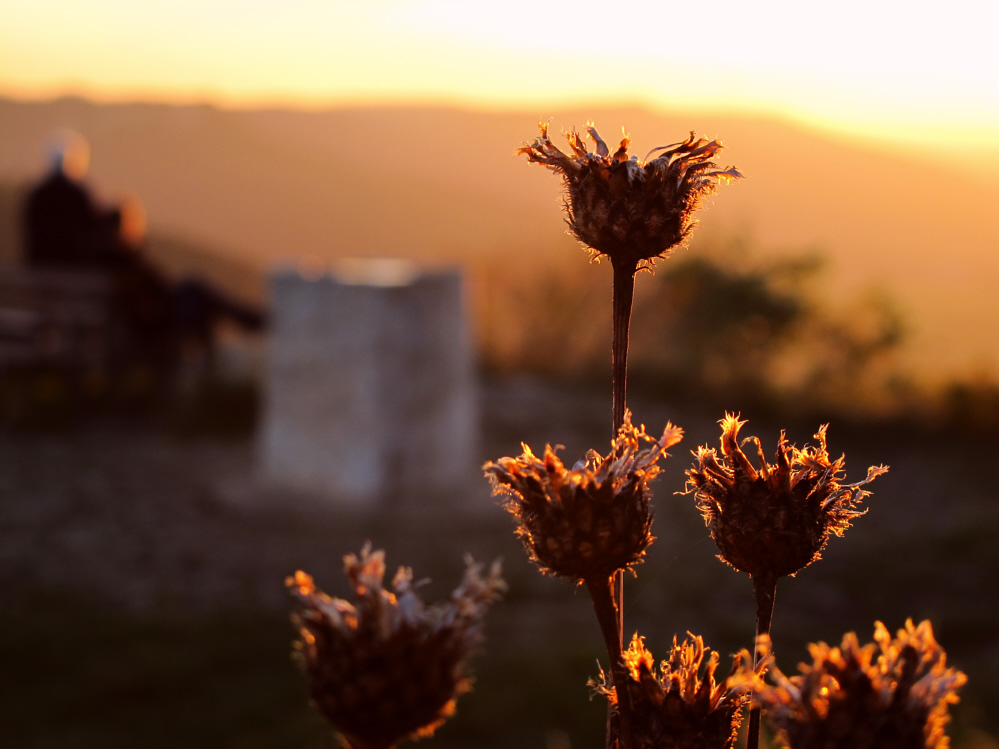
column 444, row 186
column 175, row 256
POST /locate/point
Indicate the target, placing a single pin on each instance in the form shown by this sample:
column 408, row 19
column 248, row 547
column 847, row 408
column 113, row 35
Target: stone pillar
column 371, row 396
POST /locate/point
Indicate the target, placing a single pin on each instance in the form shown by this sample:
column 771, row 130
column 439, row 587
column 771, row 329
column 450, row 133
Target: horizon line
column 947, row 144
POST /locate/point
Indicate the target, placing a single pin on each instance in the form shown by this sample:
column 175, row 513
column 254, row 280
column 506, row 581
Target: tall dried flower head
column 588, row 522
column 629, row 210
column 388, row 667
column 683, row 705
column 847, row 699
column 775, row 520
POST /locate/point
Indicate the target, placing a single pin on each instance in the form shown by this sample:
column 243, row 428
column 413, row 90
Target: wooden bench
column 55, row 318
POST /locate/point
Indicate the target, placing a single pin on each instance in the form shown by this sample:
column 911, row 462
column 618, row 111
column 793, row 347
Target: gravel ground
column 141, row 517
column 133, row 515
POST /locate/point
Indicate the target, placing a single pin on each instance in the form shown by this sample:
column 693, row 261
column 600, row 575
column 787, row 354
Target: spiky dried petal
column 889, row 694
column 588, row 522
column 774, row 520
column 388, row 667
column 683, row 705
column 629, row 210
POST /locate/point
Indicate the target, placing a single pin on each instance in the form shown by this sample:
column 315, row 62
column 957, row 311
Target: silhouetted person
column 63, row 225
column 65, row 229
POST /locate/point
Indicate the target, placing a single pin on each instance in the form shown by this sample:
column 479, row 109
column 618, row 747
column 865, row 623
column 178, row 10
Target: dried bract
column 388, row 667
column 589, row 522
column 847, row 699
column 628, row 210
column 775, row 520
column 683, row 706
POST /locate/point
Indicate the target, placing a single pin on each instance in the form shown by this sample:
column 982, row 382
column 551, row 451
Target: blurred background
column 848, row 279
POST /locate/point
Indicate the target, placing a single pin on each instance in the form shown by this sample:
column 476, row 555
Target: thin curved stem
column 622, row 302
column 624, row 295
column 765, row 592
column 602, row 595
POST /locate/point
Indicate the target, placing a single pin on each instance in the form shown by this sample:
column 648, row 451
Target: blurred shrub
column 714, row 324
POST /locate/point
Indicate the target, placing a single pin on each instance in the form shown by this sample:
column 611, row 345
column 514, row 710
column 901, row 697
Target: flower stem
column 602, row 595
column 765, row 592
column 624, row 295
column 622, row 302
column 623, row 299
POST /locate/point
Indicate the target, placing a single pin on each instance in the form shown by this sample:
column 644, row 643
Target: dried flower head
column 589, row 522
column 847, row 699
column 388, row 667
column 629, row 210
column 775, row 520
column 683, row 706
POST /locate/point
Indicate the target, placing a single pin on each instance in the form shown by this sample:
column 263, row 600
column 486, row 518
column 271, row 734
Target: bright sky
column 865, row 66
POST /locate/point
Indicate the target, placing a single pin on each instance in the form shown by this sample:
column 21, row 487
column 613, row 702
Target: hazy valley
column 270, row 187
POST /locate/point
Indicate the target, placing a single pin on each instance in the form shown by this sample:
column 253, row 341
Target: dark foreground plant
column 593, row 520
column 681, row 705
column 889, row 694
column 775, row 520
column 388, row 667
column 589, row 523
column 634, row 213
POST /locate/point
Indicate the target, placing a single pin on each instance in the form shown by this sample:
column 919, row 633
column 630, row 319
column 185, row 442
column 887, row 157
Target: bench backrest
column 53, row 316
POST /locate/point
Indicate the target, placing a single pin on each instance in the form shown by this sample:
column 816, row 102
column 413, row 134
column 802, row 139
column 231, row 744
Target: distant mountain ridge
column 271, row 186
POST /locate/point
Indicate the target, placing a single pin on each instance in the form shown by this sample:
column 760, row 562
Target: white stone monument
column 371, row 395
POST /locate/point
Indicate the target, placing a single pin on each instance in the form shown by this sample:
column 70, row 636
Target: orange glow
column 865, row 68
column 885, row 82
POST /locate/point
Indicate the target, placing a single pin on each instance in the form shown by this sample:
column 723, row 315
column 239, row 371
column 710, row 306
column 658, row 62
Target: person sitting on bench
column 66, row 229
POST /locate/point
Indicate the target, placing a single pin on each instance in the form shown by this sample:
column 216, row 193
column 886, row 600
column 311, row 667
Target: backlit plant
column 389, row 656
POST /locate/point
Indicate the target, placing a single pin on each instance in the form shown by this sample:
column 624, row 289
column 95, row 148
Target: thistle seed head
column 683, row 706
column 889, row 694
column 775, row 520
column 388, row 667
column 631, row 211
column 588, row 522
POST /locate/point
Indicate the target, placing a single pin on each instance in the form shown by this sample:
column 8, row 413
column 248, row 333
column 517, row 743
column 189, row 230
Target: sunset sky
column 884, row 69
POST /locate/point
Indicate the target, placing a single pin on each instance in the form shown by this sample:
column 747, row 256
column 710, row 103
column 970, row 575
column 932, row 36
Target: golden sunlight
column 864, row 67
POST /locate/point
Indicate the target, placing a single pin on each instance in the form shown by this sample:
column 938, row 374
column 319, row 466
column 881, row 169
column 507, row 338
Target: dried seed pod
column 683, row 706
column 388, row 667
column 775, row 520
column 632, row 211
column 589, row 522
column 847, row 699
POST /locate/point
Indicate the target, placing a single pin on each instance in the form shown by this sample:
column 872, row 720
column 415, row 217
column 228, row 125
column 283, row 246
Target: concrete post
column 371, row 396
